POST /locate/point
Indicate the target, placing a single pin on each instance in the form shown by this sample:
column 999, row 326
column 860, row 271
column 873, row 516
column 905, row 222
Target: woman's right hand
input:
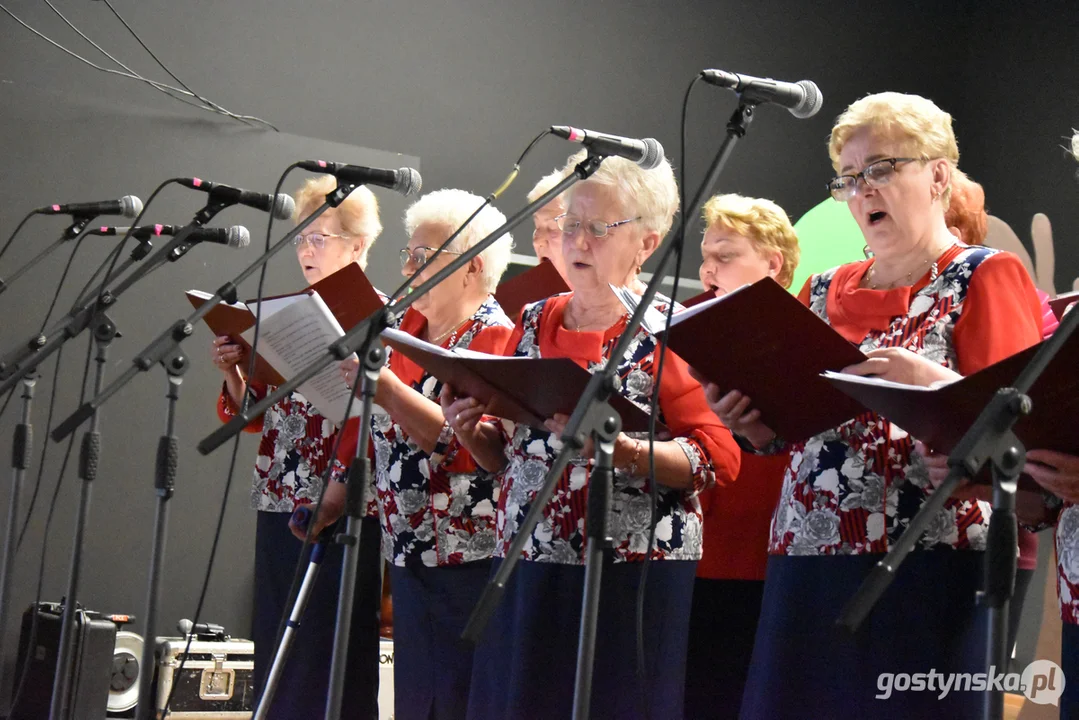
column 227, row 354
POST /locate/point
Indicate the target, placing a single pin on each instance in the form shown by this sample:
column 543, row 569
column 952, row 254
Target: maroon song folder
column 939, row 417
column 521, row 389
column 348, row 294
column 762, row 341
column 1062, row 302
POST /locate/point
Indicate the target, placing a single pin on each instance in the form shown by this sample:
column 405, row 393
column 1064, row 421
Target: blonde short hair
column 451, row 208
column 546, row 183
column 358, row 212
column 762, row 222
column 924, row 130
column 652, row 194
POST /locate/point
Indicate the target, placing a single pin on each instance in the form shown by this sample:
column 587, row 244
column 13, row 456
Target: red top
column 736, row 520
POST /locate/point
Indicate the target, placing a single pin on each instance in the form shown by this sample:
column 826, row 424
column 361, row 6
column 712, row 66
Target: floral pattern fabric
column 855, row 489
column 560, row 537
column 437, row 508
column 293, row 453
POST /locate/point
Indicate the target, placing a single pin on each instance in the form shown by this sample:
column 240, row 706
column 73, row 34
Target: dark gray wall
column 463, row 85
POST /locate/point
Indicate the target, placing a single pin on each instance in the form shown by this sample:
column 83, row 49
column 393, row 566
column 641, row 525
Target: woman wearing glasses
column 922, row 308
column 437, row 507
column 525, row 660
column 293, row 455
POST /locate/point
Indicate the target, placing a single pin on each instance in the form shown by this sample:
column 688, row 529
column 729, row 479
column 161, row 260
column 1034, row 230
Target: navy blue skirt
column 722, row 628
column 1069, row 663
column 805, row 666
column 525, row 663
column 432, row 665
column 304, row 683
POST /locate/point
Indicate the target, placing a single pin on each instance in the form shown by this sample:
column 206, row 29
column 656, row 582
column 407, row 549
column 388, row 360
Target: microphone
column 128, row 206
column 403, row 180
column 282, row 206
column 803, row 98
column 647, row 153
column 186, row 627
column 236, row 236
column 142, row 232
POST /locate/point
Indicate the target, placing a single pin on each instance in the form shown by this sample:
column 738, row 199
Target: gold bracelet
column 636, row 456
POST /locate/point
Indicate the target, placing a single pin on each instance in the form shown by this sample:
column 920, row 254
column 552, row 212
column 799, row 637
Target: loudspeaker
column 94, row 644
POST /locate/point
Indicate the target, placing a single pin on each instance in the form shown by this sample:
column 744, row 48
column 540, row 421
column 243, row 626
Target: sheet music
column 295, row 332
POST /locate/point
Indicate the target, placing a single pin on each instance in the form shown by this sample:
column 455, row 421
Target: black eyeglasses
column 317, row 240
column 418, row 255
column 876, row 174
column 570, row 224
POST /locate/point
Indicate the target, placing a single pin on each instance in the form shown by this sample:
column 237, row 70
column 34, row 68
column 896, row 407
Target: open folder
column 296, row 329
column 761, row 340
column 521, row 389
column 940, row 416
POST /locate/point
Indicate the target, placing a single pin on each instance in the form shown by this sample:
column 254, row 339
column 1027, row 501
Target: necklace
column 934, row 272
column 451, row 333
column 576, row 326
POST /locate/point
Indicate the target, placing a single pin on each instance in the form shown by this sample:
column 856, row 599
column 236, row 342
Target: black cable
column 52, row 396
column 662, row 347
column 166, row 89
column 399, row 292
column 184, row 85
column 235, row 454
column 17, row 229
column 45, row 536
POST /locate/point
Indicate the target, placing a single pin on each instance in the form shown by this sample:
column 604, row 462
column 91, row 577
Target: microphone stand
column 990, row 439
column 104, row 331
column 72, row 232
column 20, row 461
column 14, row 359
column 595, row 416
column 372, row 358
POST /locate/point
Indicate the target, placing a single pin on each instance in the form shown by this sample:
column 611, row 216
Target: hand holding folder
column 762, row 341
column 297, row 329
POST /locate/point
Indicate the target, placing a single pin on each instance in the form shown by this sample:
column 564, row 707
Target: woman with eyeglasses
column 923, row 308
column 436, row 505
column 293, row 455
column 525, row 661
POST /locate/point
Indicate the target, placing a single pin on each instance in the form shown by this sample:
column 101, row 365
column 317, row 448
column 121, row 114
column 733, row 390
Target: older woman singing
column 436, row 505
column 293, row 454
column 924, row 307
column 525, row 664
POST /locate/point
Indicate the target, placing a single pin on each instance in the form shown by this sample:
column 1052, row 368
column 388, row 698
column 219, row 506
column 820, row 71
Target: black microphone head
column 283, row 207
column 811, row 102
column 239, row 237
column 130, row 206
column 409, row 181
column 653, row 154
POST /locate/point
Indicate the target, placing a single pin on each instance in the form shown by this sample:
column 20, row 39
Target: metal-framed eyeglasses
column 570, row 224
column 876, row 175
column 418, row 255
column 317, row 240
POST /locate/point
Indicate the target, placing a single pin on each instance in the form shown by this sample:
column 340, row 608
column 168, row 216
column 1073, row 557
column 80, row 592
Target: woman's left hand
column 902, row 366
column 937, row 465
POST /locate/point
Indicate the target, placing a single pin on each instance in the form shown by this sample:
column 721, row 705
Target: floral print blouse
column 855, row 489
column 713, row 455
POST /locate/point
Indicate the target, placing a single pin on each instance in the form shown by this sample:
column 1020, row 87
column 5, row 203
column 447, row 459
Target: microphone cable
column 653, row 497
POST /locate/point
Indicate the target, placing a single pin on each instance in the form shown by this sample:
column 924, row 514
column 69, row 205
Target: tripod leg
column 298, row 608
